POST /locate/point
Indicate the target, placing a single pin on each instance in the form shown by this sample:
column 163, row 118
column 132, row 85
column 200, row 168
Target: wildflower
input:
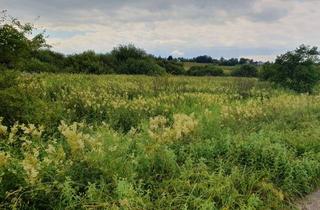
column 51, row 149
column 32, row 130
column 13, row 131
column 182, row 126
column 4, row 158
column 74, row 138
column 3, row 129
column 31, row 166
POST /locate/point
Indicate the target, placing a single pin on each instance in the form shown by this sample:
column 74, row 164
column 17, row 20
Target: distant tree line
column 221, row 62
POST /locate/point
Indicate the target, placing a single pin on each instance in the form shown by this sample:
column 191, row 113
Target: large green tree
column 296, row 69
column 17, row 41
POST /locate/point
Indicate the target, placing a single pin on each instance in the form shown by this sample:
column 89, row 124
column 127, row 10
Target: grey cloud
column 269, row 14
column 188, row 26
column 101, row 11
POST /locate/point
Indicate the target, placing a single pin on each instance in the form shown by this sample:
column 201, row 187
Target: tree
column 203, row 59
column 123, row 52
column 15, row 44
column 296, row 69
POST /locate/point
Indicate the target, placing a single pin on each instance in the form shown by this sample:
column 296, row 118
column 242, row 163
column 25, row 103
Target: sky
column 258, row 29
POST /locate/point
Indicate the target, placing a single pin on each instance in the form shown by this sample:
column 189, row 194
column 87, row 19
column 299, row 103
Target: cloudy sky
column 258, row 29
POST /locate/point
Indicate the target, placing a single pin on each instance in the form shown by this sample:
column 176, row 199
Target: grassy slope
column 159, row 143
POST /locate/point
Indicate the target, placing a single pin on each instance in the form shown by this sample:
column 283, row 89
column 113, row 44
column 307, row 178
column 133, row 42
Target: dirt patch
column 311, row 202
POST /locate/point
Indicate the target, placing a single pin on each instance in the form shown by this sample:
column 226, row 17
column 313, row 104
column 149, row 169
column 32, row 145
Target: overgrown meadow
column 139, row 142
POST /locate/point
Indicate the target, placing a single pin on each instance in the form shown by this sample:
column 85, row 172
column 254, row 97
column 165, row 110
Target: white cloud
column 177, row 53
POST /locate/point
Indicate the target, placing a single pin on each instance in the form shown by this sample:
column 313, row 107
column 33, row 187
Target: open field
column 138, row 142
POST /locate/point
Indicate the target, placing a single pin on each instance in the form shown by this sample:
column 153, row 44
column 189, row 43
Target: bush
column 173, row 67
column 246, row 70
column 86, row 62
column 35, row 65
column 208, row 70
column 296, row 70
column 12, row 100
column 145, row 66
column 50, row 57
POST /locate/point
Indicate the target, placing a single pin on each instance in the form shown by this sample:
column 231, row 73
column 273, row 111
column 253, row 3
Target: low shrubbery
column 172, row 67
column 141, row 66
column 13, row 99
column 37, row 66
column 245, row 70
column 209, row 70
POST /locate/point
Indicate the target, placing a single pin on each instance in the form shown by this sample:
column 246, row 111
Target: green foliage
column 86, row 62
column 35, row 65
column 245, row 70
column 296, row 70
column 172, row 67
column 15, row 44
column 124, row 52
column 50, row 57
column 12, row 98
column 141, row 66
column 208, row 70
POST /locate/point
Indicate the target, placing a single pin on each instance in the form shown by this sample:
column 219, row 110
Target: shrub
column 208, row 70
column 296, row 70
column 246, row 70
column 50, row 57
column 138, row 66
column 172, row 67
column 86, row 62
column 35, row 65
column 12, row 101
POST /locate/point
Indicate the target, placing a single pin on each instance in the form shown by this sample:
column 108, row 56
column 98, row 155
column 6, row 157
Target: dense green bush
column 35, row 65
column 296, row 70
column 12, row 99
column 86, row 62
column 124, row 52
column 172, row 67
column 50, row 57
column 245, row 70
column 141, row 66
column 209, row 70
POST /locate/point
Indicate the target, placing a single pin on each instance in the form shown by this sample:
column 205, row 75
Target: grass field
column 138, row 142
